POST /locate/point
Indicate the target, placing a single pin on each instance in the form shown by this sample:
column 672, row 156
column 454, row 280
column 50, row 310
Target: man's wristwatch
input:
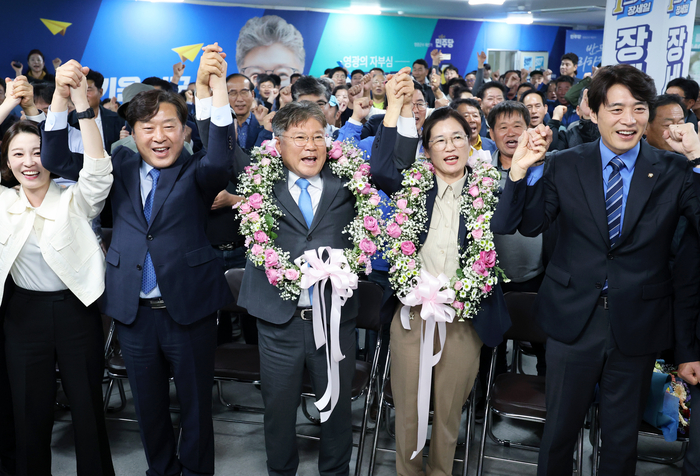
column 87, row 114
column 695, row 162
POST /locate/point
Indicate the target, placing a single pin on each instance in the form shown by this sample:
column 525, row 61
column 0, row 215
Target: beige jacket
column 67, row 241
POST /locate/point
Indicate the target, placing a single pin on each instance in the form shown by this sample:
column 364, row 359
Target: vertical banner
column 588, row 46
column 654, row 36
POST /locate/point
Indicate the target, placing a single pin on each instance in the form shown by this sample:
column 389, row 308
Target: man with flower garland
column 606, row 298
column 442, row 198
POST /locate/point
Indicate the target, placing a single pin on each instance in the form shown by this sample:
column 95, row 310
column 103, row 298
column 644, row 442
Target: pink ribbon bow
column 435, row 312
column 318, row 273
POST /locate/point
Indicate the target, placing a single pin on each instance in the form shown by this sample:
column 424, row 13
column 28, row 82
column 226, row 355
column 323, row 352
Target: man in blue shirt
column 606, row 298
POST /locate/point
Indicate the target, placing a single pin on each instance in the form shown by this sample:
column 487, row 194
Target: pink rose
column 408, row 248
column 265, row 161
column 257, row 249
column 458, row 285
column 336, row 151
column 477, row 233
column 291, row 274
column 343, row 161
column 245, row 207
column 479, row 268
column 375, row 199
column 367, row 246
column 473, row 190
column 357, row 175
column 480, row 219
column 362, row 259
column 417, row 175
column 368, row 267
column 486, row 288
column 270, row 148
column 260, row 236
column 478, row 203
column 459, row 305
column 271, row 258
column 411, row 264
column 371, row 224
column 488, row 181
column 488, row 257
column 366, row 190
column 364, row 168
column 273, row 276
column 255, row 200
column 257, row 179
column 401, row 218
column 415, row 191
column 253, row 217
column 402, row 204
column 393, row 230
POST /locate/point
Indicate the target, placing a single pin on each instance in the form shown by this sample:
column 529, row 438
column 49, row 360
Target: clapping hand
column 532, row 146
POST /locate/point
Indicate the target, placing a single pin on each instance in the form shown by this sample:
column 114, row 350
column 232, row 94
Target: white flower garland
column 259, row 213
column 478, row 271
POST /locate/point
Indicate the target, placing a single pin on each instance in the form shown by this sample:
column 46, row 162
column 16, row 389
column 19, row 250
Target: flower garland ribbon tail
column 318, row 273
column 435, row 312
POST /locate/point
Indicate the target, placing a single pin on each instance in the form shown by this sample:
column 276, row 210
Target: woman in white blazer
column 49, row 251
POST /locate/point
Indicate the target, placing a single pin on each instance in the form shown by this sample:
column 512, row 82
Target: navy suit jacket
column 640, row 288
column 188, row 273
column 111, row 126
column 492, row 320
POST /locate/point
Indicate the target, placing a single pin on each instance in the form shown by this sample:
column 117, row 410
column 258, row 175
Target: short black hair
column 690, row 88
column 458, row 82
column 308, row 85
column 536, row 72
column 487, row 66
column 509, row 72
column 470, row 72
column 639, row 84
column 439, row 115
column 157, row 82
column 335, row 70
column 237, row 75
column 534, row 91
column 273, row 78
column 421, row 62
column 96, row 78
column 508, row 108
column 295, row 75
column 489, row 85
column 145, row 105
column 357, row 71
column 451, row 67
column 468, row 101
column 463, row 89
column 44, row 90
column 564, row 79
column 664, row 100
column 377, row 69
column 573, row 57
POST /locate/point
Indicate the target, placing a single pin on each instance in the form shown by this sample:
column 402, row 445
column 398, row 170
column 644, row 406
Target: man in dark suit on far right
column 606, row 299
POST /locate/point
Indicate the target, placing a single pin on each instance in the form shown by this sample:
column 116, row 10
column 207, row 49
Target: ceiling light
column 486, row 2
column 365, row 10
column 519, row 18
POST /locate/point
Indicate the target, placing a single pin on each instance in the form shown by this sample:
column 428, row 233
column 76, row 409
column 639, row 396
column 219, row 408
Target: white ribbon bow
column 435, row 309
column 336, row 269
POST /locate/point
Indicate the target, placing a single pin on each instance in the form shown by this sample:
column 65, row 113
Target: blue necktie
column 307, row 209
column 148, row 279
column 613, row 204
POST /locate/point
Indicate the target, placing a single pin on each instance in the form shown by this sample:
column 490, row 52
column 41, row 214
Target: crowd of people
column 598, row 212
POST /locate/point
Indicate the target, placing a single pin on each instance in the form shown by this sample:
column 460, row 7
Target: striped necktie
column 613, row 204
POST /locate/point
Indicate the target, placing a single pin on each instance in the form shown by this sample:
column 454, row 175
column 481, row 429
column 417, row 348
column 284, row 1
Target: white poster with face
column 654, row 36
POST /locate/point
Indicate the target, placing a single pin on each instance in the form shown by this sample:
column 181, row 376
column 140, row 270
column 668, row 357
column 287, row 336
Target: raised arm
column 11, row 101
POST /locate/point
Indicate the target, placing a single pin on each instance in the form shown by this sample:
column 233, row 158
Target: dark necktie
column 148, row 279
column 613, row 204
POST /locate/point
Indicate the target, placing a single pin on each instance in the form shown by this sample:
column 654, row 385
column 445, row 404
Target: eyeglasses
column 242, row 93
column 420, row 105
column 300, row 140
column 439, row 144
column 284, row 72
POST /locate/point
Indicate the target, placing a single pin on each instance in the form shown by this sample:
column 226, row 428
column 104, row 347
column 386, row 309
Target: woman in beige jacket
column 48, row 249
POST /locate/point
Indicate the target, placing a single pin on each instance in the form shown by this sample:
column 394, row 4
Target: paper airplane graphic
column 56, row 26
column 190, row 51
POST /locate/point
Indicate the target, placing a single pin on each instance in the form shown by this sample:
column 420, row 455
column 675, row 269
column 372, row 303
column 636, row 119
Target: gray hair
column 308, row 85
column 266, row 31
column 296, row 113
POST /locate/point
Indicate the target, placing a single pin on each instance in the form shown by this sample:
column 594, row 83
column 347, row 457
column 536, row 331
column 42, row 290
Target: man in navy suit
column 241, row 96
column 606, row 298
column 164, row 283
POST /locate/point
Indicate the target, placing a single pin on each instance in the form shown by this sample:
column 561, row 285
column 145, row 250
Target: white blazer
column 67, row 241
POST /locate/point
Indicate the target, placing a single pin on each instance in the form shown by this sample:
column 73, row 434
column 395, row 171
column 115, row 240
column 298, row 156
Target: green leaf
column 460, row 273
column 269, row 221
column 273, row 235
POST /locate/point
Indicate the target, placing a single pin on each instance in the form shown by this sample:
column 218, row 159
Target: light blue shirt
column 146, row 186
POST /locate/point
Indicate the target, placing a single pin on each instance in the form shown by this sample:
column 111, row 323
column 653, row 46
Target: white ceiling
column 574, row 13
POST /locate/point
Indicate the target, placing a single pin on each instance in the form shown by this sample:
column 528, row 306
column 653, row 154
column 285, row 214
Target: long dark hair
column 36, row 52
column 19, row 127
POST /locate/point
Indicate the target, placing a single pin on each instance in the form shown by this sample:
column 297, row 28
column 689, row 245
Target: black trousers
column 42, row 329
column 572, row 373
column 153, row 345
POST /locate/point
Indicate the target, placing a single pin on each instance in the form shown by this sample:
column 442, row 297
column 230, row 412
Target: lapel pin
column 650, row 175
